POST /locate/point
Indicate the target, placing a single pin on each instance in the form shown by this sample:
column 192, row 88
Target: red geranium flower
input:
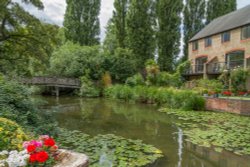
column 49, row 142
column 42, row 156
column 242, row 93
column 33, row 158
column 227, row 93
column 31, row 148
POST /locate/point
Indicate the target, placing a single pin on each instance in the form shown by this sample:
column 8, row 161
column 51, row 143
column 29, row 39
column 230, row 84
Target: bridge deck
column 52, row 81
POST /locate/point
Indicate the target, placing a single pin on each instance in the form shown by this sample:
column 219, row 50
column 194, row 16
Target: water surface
column 138, row 121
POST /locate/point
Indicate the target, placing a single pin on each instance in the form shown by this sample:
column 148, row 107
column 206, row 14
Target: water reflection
column 180, row 146
column 137, row 121
column 106, row 158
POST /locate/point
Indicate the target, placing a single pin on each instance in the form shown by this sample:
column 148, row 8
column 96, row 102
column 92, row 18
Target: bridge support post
column 57, row 91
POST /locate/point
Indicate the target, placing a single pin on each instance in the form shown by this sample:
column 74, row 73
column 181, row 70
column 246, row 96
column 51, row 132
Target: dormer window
column 245, row 32
column 225, row 37
column 195, row 45
column 208, row 41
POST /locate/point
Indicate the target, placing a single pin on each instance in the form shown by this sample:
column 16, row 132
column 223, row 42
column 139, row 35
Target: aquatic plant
column 172, row 97
column 109, row 149
column 223, row 131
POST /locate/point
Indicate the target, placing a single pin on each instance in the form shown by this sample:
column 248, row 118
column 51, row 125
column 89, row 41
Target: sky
column 54, row 11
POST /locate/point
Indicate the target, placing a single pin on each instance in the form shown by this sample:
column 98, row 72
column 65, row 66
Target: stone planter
column 72, row 159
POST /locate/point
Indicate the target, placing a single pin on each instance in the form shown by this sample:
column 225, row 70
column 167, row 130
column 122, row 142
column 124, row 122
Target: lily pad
column 110, row 150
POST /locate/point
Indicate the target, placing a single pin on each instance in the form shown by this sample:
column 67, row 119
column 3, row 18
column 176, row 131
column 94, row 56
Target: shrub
column 152, row 71
column 16, row 104
column 73, row 60
column 11, row 135
column 121, row 65
column 155, row 77
column 135, row 80
column 238, row 79
column 106, row 79
column 167, row 79
column 88, row 88
column 172, row 97
column 204, row 86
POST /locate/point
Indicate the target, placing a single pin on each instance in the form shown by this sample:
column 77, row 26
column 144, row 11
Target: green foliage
column 140, row 34
column 24, row 40
column 135, row 80
column 17, row 105
column 218, row 130
column 152, row 70
column 170, row 80
column 217, row 8
column 88, row 88
column 239, row 77
column 81, row 21
column 182, row 67
column 110, row 42
column 208, row 85
column 194, row 14
column 121, row 65
column 11, row 135
column 168, row 34
column 157, row 78
column 73, row 60
column 119, row 18
column 117, row 151
column 174, row 98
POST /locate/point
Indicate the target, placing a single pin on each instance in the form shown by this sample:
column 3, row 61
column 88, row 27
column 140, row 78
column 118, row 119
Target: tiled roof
column 224, row 23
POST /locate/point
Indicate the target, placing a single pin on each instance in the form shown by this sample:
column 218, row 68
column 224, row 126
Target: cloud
column 54, row 11
column 242, row 3
column 105, row 14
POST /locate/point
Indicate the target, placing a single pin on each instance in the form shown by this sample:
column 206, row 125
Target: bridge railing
column 51, row 81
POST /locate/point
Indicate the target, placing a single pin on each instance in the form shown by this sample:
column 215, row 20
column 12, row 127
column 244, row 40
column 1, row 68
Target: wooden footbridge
column 55, row 82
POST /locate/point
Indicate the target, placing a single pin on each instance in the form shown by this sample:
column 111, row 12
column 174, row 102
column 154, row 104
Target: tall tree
column 119, row 18
column 24, row 40
column 140, row 32
column 216, row 8
column 110, row 42
column 194, row 16
column 81, row 21
column 168, row 35
column 13, row 18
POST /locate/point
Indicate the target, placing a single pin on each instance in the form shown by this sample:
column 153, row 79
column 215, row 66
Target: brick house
column 224, row 44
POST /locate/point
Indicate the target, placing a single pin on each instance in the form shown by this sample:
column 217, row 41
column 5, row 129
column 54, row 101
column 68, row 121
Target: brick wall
column 228, row 105
column 220, row 49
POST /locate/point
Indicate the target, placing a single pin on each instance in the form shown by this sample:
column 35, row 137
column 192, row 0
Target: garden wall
column 228, row 105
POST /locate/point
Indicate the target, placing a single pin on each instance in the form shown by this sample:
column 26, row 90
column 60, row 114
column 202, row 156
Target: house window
column 235, row 59
column 195, row 45
column 245, row 32
column 199, row 64
column 225, row 37
column 208, row 42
